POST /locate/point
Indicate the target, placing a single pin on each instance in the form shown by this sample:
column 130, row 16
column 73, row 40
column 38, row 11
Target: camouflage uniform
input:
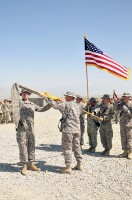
column 116, row 116
column 82, row 122
column 125, row 125
column 116, row 113
column 92, row 128
column 6, row 114
column 71, row 130
column 25, row 129
column 1, row 113
column 10, row 111
column 106, row 131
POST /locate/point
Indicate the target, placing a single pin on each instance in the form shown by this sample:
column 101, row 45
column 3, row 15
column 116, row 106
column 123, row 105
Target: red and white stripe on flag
column 94, row 56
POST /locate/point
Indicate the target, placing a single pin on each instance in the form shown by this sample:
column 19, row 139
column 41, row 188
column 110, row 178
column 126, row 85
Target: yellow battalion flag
column 52, row 97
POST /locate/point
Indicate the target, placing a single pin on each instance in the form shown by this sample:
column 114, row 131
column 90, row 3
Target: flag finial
column 85, row 35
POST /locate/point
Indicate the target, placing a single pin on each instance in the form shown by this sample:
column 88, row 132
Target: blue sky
column 42, row 47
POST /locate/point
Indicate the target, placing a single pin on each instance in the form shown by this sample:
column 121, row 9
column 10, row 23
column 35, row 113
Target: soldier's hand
column 89, row 115
column 116, row 99
column 101, row 119
column 42, row 95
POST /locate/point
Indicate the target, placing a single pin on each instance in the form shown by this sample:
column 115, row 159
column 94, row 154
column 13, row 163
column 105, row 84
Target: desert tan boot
column 67, row 170
column 79, row 166
column 33, row 167
column 123, row 155
column 129, row 155
column 24, row 170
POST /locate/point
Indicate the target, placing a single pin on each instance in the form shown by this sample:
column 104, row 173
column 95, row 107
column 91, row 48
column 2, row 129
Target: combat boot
column 24, row 170
column 81, row 143
column 67, row 170
column 33, row 167
column 93, row 150
column 90, row 148
column 103, row 152
column 123, row 155
column 79, row 166
column 129, row 154
column 107, row 153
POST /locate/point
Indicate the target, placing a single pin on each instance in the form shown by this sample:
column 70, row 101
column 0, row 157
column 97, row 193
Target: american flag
column 96, row 57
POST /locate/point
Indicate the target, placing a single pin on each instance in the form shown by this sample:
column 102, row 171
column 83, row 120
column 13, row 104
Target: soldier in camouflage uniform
column 92, row 125
column 1, row 113
column 25, row 131
column 125, row 108
column 116, row 112
column 82, row 118
column 10, row 110
column 70, row 130
column 6, row 113
column 116, row 116
column 105, row 111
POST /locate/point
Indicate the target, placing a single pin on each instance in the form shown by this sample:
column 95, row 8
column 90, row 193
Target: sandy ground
column 103, row 177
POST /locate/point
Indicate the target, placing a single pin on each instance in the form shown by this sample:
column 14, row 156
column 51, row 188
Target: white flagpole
column 86, row 77
column 87, row 82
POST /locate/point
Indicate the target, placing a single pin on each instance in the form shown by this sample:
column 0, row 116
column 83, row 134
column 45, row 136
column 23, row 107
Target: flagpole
column 86, row 74
column 87, row 82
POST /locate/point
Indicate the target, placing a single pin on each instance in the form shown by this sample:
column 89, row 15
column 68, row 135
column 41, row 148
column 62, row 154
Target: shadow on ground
column 16, row 167
column 50, row 147
column 7, row 167
column 48, row 168
column 97, row 154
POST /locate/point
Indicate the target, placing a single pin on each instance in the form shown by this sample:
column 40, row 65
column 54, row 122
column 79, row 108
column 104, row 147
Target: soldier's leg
column 22, row 140
column 7, row 117
column 82, row 127
column 129, row 138
column 77, row 151
column 31, row 146
column 67, row 139
column 89, row 134
column 11, row 114
column 94, row 136
column 109, row 136
column 129, row 141
column 0, row 118
column 123, row 133
column 102, row 136
column 123, row 137
column 77, row 148
column 31, row 151
column 4, row 117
